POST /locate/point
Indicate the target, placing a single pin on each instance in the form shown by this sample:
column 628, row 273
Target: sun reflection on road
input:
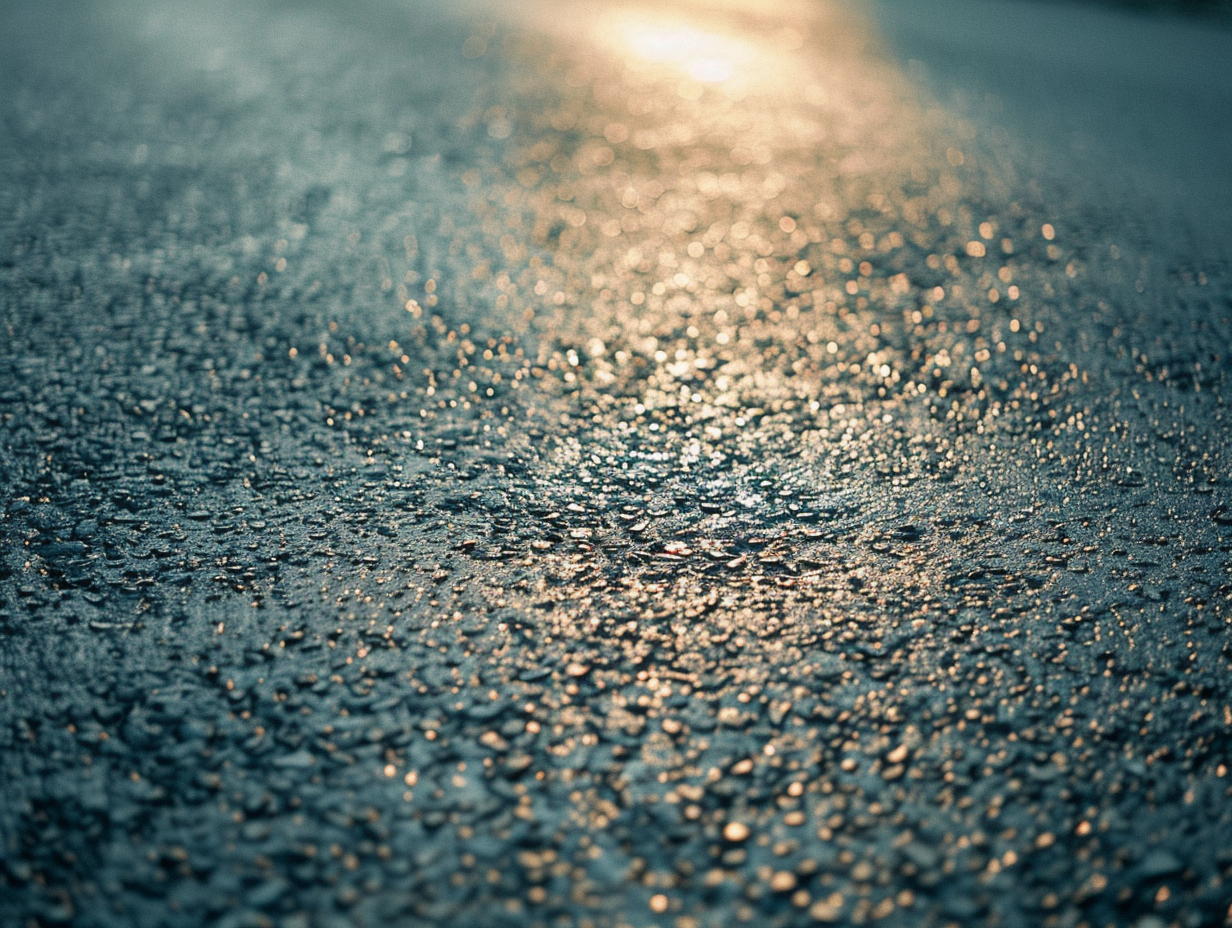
column 707, row 57
column 704, row 54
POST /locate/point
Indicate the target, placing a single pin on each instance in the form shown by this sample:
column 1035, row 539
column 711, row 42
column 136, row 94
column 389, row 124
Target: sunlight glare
column 706, row 57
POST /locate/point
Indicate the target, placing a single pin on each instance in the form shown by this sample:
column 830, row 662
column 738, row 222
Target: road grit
column 655, row 469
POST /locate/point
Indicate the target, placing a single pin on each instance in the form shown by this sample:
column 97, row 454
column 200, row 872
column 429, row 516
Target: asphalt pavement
column 611, row 464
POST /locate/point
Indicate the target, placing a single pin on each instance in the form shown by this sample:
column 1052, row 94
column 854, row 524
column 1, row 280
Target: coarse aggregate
column 593, row 464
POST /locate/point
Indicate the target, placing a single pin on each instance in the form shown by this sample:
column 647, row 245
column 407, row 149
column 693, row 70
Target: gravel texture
column 600, row 465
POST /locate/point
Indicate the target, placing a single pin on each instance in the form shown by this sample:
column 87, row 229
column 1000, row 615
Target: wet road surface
column 602, row 464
